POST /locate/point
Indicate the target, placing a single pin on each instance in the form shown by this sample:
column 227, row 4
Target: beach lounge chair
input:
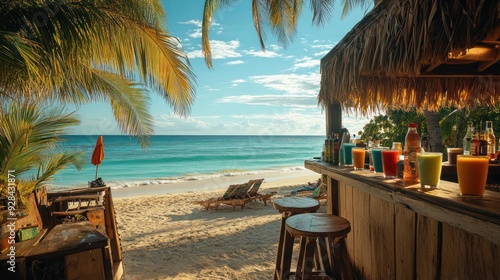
column 230, row 197
column 254, row 194
column 319, row 193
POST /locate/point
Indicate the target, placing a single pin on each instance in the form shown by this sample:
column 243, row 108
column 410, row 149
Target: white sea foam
column 180, row 179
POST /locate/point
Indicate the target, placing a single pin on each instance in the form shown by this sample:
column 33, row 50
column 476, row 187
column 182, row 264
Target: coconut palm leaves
column 281, row 15
column 101, row 50
column 29, row 134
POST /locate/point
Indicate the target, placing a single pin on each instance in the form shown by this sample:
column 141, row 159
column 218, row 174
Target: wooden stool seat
column 289, row 206
column 322, row 234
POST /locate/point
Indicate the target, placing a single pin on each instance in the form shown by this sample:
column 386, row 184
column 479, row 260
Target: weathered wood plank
column 382, row 239
column 346, row 211
column 467, row 256
column 405, row 228
column 427, row 238
column 361, row 229
column 478, row 216
column 85, row 265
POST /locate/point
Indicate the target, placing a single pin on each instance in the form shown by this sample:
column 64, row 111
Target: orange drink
column 472, row 172
column 358, row 157
column 429, row 169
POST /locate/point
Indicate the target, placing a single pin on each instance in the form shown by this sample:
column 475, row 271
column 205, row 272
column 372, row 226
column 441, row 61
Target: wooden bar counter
column 400, row 231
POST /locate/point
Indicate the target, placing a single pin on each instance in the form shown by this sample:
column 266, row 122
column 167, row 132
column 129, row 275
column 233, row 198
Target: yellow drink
column 358, row 158
column 472, row 174
column 429, row 169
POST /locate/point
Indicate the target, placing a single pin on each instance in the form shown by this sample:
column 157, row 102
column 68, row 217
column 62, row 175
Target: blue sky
column 248, row 91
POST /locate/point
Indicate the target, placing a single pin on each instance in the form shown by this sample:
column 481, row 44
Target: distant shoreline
column 272, row 179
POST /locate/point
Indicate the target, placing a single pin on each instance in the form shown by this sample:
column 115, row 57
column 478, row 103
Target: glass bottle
column 467, row 139
column 330, row 141
column 336, row 147
column 326, row 148
column 425, row 143
column 483, row 145
column 489, row 136
column 397, row 146
column 474, row 143
column 411, row 148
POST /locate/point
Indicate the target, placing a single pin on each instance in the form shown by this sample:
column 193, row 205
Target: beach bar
column 425, row 55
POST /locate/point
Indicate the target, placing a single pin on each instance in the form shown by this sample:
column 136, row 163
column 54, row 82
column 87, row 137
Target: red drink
column 390, row 160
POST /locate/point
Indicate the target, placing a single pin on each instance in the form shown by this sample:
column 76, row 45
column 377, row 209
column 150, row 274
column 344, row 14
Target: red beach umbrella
column 98, row 154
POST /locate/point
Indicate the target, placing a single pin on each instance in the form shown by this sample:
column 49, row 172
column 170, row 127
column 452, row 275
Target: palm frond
column 28, row 131
column 50, row 164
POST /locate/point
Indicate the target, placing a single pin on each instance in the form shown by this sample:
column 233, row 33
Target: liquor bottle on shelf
column 330, row 139
column 483, row 145
column 489, row 136
column 327, row 150
column 425, row 142
column 411, row 148
column 467, row 139
column 474, row 142
column 336, row 147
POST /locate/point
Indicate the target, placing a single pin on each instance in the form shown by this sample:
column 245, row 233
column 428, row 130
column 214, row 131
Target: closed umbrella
column 98, row 154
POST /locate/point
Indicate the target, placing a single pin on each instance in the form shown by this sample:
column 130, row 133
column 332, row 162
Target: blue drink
column 348, row 153
column 377, row 160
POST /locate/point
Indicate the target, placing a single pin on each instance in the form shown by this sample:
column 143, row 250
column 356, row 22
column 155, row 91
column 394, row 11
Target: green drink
column 429, row 169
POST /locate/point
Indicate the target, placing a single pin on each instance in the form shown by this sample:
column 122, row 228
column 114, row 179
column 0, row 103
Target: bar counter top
column 477, row 215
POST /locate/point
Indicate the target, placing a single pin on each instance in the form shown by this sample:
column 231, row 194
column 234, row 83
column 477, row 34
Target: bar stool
column 327, row 231
column 289, row 206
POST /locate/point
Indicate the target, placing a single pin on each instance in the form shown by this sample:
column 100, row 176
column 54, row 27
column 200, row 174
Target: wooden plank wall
column 390, row 241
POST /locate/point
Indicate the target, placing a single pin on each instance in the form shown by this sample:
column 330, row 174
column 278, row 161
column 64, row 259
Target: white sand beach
column 164, row 235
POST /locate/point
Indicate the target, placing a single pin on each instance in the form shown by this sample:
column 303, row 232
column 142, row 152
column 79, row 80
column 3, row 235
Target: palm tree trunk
column 432, row 119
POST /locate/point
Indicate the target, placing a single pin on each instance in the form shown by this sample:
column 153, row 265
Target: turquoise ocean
column 172, row 159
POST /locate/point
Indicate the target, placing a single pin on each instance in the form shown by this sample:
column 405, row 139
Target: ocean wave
column 117, row 184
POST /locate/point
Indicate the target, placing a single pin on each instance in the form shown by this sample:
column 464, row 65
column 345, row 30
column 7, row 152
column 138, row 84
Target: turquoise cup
column 348, row 153
column 377, row 160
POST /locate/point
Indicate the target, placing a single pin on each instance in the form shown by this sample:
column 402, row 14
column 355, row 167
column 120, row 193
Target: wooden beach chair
column 229, row 197
column 319, row 193
column 254, row 194
column 214, row 202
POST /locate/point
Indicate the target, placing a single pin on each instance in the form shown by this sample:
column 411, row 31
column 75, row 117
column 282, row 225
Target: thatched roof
column 417, row 53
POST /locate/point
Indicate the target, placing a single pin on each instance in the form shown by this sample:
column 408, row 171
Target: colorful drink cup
column 377, row 160
column 390, row 160
column 348, row 153
column 429, row 169
column 453, row 153
column 472, row 174
column 358, row 158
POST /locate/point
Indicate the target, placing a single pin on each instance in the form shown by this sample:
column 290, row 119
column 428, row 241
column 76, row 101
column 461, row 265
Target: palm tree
column 76, row 51
column 29, row 134
column 280, row 15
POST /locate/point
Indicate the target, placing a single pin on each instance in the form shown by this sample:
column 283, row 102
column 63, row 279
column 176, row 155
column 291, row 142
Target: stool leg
column 306, row 259
column 342, row 267
column 346, row 262
column 300, row 261
column 286, row 258
column 324, row 254
column 279, row 256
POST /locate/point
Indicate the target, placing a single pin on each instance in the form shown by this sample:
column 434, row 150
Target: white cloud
column 237, row 82
column 261, row 53
column 195, row 22
column 273, row 123
column 196, row 33
column 305, row 62
column 235, row 62
column 220, row 50
column 291, row 83
column 286, row 100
